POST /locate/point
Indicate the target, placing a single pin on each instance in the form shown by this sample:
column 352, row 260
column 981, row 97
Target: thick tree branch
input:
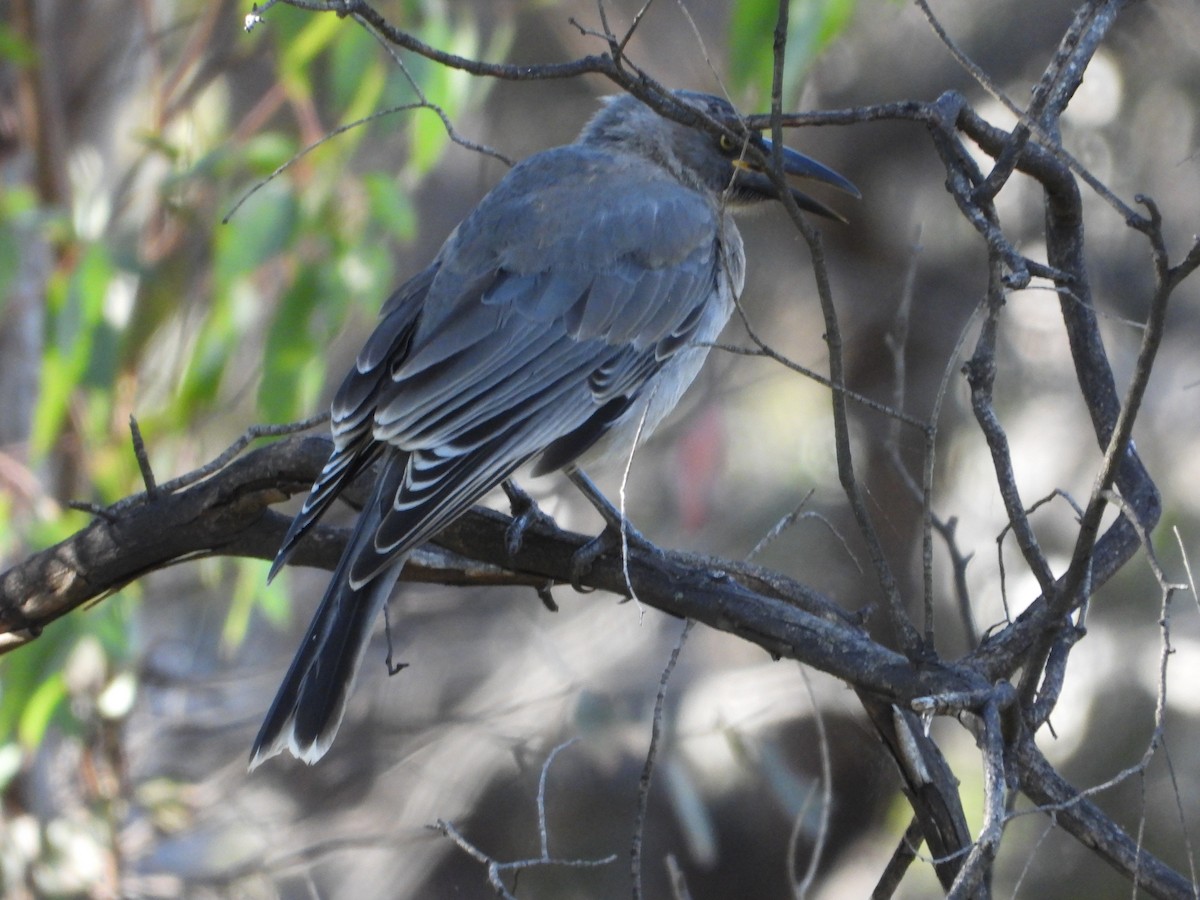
column 228, row 514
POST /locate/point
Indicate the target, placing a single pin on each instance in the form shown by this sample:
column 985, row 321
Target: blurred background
column 129, row 131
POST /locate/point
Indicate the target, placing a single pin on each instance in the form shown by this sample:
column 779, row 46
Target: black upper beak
column 755, row 182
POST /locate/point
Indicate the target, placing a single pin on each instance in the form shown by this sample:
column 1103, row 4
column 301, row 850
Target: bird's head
column 723, row 163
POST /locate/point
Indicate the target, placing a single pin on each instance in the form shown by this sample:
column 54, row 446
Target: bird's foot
column 618, row 534
column 525, row 513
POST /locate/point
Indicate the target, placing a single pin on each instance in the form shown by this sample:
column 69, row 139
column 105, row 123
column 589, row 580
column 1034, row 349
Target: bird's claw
column 525, row 513
column 621, row 537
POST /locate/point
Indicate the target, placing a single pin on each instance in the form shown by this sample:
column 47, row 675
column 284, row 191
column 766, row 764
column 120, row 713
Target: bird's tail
column 309, row 706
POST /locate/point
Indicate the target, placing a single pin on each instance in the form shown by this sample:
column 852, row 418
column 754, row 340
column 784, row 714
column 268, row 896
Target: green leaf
column 300, row 50
column 357, row 73
column 812, row 26
column 262, row 229
column 266, row 152
column 293, row 361
column 444, row 87
column 76, row 307
column 251, row 592
column 15, row 48
column 39, row 710
column 390, row 206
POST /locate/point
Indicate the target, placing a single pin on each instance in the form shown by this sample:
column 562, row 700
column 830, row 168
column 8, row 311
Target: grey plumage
column 563, row 313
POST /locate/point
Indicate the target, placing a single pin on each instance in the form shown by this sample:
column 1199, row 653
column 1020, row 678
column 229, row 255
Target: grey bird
column 565, row 315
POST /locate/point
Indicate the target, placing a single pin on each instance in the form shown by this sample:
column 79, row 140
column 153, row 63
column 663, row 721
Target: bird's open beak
column 755, row 182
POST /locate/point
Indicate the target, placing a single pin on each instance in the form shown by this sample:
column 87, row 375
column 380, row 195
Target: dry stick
column 896, row 340
column 780, row 527
column 1071, row 805
column 789, row 520
column 946, row 528
column 425, row 103
column 1074, row 54
column 300, row 154
column 1032, row 855
column 902, row 858
column 1076, row 582
column 643, row 795
column 251, row 434
column 621, row 496
column 619, row 50
column 764, row 350
column 908, row 636
column 974, row 878
column 1057, row 492
column 708, row 60
column 981, row 373
column 142, row 457
column 543, row 831
column 496, row 869
column 1183, row 825
column 1087, row 823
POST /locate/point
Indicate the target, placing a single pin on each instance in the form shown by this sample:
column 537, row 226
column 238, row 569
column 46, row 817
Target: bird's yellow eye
column 727, row 144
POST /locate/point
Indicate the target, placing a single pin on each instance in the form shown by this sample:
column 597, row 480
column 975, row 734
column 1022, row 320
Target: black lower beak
column 798, row 165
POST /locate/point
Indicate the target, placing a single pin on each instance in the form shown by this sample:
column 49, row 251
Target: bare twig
column 974, row 878
column 497, row 870
column 251, row 434
column 143, row 459
column 902, row 858
column 643, row 795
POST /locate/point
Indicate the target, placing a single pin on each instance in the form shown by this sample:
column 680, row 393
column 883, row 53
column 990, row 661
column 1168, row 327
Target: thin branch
column 300, row 154
column 1080, row 817
column 251, row 434
column 543, row 831
column 981, row 374
column 497, row 870
column 1078, row 581
column 762, row 349
column 143, row 459
column 907, row 635
column 902, row 857
column 1078, row 53
column 643, row 794
column 974, row 878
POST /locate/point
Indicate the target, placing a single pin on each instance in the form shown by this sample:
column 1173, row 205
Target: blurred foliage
column 157, row 308
column 812, row 26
